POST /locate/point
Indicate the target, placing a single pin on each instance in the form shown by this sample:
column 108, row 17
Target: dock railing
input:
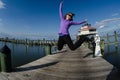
column 112, row 38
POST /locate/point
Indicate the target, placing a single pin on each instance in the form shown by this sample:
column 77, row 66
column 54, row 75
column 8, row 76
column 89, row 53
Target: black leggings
column 67, row 40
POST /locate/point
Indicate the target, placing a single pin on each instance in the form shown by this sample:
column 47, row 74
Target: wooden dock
column 69, row 65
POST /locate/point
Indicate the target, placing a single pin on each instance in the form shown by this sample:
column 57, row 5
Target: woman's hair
column 70, row 14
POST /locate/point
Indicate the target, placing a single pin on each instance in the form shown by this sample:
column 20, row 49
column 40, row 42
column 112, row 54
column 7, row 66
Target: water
column 112, row 55
column 112, row 52
column 22, row 54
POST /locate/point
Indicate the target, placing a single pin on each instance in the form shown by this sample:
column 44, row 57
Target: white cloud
column 115, row 14
column 110, row 20
column 102, row 26
column 105, row 22
column 2, row 5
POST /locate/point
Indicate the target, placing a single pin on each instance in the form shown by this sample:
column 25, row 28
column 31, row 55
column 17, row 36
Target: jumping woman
column 64, row 36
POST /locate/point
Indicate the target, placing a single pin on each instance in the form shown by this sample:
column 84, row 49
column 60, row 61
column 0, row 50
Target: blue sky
column 41, row 17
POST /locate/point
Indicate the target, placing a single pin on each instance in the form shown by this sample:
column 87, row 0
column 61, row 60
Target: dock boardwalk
column 70, row 65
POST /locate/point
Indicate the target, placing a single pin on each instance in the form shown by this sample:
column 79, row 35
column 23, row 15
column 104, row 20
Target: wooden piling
column 116, row 39
column 108, row 40
column 5, row 59
column 48, row 49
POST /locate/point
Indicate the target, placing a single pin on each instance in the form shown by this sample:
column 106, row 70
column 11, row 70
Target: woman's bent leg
column 77, row 43
column 69, row 42
column 60, row 43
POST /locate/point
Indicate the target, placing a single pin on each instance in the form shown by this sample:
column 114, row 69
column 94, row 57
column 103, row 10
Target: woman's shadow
column 34, row 67
column 91, row 54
